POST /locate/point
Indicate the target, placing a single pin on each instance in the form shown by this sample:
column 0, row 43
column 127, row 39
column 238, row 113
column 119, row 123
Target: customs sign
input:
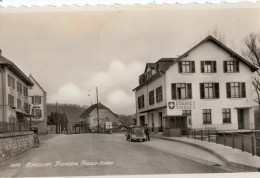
column 181, row 105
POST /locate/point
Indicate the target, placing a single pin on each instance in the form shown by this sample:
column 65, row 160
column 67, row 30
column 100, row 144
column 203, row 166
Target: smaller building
column 90, row 117
column 38, row 106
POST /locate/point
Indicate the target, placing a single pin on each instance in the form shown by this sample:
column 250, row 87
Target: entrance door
column 142, row 120
column 160, row 122
column 240, row 118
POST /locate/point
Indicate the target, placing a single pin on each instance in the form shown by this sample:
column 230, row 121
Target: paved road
column 93, row 154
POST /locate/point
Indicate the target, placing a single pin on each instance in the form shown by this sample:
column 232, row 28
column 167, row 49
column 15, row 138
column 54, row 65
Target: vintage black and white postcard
column 98, row 88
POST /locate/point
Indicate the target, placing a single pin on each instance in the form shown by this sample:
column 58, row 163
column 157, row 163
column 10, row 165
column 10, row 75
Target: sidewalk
column 230, row 156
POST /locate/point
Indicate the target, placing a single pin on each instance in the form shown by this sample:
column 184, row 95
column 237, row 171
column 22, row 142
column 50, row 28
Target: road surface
column 93, row 154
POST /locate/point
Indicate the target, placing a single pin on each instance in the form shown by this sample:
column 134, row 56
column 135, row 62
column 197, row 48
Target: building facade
column 14, row 98
column 90, row 117
column 208, row 87
column 38, row 99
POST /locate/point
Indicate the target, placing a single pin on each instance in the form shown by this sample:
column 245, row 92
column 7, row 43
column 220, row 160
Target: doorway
column 160, row 119
column 240, row 118
column 142, row 120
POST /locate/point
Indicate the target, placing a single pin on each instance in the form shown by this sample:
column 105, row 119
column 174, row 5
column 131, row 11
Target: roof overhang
column 12, row 67
column 24, row 114
column 153, row 109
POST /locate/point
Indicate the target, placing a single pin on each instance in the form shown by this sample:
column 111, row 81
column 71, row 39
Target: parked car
column 135, row 133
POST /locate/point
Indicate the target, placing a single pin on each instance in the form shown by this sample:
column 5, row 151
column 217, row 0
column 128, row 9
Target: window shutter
column 216, row 87
column 228, row 90
column 174, row 91
column 33, row 100
column 189, row 91
column 237, row 66
column 180, row 66
column 202, row 66
column 214, row 63
column 202, row 93
column 225, row 66
column 243, row 89
column 193, row 66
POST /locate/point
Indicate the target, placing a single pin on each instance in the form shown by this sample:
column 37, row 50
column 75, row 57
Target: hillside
column 72, row 111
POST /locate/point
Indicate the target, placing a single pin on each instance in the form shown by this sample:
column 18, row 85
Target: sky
column 72, row 50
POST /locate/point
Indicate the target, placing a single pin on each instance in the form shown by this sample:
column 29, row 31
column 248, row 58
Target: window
column 19, row 104
column 209, row 90
column 26, row 107
column 11, row 100
column 188, row 114
column 11, row 82
column 231, row 66
column 236, row 90
column 36, row 100
column 206, row 116
column 208, row 66
column 226, row 115
column 149, row 74
column 25, row 91
column 159, row 96
column 142, row 79
column 151, row 97
column 181, row 91
column 19, row 87
column 141, row 102
column 157, row 68
column 37, row 112
column 186, row 67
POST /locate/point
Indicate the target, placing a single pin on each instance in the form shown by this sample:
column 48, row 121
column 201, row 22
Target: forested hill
column 72, row 111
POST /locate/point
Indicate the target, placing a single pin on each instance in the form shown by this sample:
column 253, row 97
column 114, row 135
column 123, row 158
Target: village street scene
column 129, row 90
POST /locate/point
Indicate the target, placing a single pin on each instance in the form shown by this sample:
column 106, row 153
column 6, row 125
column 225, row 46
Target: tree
column 252, row 53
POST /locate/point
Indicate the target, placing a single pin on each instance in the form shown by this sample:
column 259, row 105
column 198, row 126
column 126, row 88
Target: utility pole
column 97, row 109
column 59, row 121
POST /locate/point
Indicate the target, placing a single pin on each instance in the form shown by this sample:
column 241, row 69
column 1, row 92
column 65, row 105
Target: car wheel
column 131, row 140
column 143, row 140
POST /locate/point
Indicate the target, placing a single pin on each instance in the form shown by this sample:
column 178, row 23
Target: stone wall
column 12, row 144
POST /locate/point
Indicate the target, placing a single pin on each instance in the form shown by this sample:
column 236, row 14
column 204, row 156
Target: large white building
column 14, row 99
column 209, row 86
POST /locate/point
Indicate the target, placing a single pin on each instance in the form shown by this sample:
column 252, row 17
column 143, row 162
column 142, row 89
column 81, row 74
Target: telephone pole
column 97, row 109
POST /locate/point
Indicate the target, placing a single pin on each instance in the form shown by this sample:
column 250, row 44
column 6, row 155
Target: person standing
column 146, row 131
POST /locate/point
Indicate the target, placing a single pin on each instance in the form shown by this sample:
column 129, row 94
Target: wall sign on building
column 182, row 105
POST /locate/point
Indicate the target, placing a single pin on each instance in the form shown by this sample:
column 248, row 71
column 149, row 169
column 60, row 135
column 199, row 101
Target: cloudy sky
column 70, row 51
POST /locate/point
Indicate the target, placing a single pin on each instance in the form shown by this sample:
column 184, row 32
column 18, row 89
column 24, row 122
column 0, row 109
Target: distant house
column 14, row 100
column 38, row 106
column 90, row 117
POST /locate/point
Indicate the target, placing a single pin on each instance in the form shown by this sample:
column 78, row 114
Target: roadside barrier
column 244, row 141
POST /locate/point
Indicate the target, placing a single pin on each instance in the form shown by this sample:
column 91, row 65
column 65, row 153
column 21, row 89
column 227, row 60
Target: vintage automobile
column 135, row 133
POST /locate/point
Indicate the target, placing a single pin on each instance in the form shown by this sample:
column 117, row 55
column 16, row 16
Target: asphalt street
column 94, row 154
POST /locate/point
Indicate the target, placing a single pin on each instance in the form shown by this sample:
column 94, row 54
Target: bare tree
column 252, row 53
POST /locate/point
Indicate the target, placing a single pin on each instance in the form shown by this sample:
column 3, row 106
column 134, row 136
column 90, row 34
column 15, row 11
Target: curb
column 229, row 163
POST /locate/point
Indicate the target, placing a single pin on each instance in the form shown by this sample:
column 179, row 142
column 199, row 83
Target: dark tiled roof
column 166, row 60
column 151, row 65
column 93, row 107
column 6, row 62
